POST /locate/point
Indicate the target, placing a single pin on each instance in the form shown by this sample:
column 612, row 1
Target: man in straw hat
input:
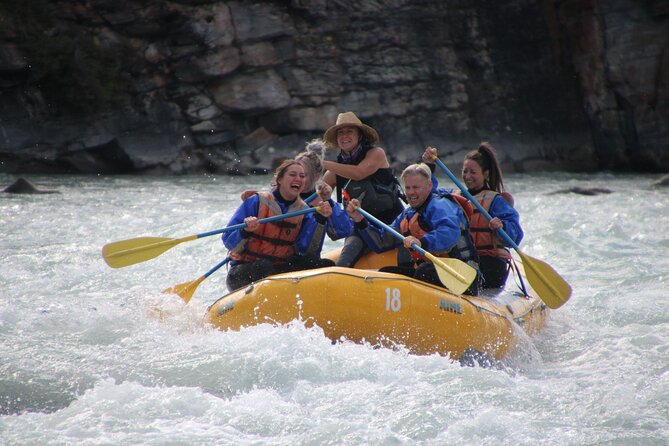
column 362, row 171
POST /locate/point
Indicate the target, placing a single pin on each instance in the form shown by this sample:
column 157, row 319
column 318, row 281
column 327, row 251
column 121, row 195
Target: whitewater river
column 84, row 360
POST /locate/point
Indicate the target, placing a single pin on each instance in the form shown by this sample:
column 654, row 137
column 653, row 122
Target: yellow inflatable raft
column 363, row 305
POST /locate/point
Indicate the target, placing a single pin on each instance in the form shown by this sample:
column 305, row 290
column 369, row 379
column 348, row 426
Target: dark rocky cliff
column 103, row 86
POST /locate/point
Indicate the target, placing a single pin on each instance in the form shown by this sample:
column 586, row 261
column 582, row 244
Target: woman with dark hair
column 483, row 178
column 362, row 171
column 291, row 244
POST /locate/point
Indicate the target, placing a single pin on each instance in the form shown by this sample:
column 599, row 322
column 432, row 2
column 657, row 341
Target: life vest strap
column 274, row 241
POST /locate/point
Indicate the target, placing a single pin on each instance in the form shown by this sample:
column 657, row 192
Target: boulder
column 23, row 186
column 583, row 191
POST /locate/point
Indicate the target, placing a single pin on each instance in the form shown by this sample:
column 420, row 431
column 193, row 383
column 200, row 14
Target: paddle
column 310, row 197
column 549, row 285
column 455, row 274
column 185, row 290
column 141, row 249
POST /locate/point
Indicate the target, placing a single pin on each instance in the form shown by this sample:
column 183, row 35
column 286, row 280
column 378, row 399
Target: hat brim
column 330, row 135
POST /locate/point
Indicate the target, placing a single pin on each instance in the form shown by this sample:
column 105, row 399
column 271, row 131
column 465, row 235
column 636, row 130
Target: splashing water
column 93, row 355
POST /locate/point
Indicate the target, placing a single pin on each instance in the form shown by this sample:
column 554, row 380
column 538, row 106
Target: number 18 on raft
column 393, row 302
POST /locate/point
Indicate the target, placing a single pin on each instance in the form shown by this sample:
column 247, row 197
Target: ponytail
column 486, row 157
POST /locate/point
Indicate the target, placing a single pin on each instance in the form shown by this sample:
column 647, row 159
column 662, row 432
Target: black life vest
column 379, row 194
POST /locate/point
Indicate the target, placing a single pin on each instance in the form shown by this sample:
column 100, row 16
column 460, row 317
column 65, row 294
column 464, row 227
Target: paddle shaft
column 381, row 224
column 261, row 221
column 151, row 250
column 476, row 203
column 216, row 268
column 187, row 289
column 311, row 197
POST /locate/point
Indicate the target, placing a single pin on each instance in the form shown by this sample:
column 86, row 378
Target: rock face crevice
column 197, row 86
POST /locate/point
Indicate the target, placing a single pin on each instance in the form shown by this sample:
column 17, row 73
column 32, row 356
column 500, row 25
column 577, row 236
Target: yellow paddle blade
column 546, row 282
column 185, row 290
column 455, row 274
column 136, row 250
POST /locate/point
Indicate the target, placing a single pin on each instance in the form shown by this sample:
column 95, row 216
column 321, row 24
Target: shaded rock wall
column 620, row 53
column 202, row 86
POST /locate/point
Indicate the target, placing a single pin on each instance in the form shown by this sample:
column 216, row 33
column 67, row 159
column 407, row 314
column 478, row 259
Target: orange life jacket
column 275, row 240
column 412, row 227
column 486, row 240
column 466, row 206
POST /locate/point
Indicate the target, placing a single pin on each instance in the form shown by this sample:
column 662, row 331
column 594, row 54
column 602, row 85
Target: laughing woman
column 291, row 244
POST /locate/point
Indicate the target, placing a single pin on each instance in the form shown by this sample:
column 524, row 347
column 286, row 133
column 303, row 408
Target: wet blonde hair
column 417, row 169
column 312, row 159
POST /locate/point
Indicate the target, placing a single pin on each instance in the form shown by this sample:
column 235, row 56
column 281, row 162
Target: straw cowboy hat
column 348, row 119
